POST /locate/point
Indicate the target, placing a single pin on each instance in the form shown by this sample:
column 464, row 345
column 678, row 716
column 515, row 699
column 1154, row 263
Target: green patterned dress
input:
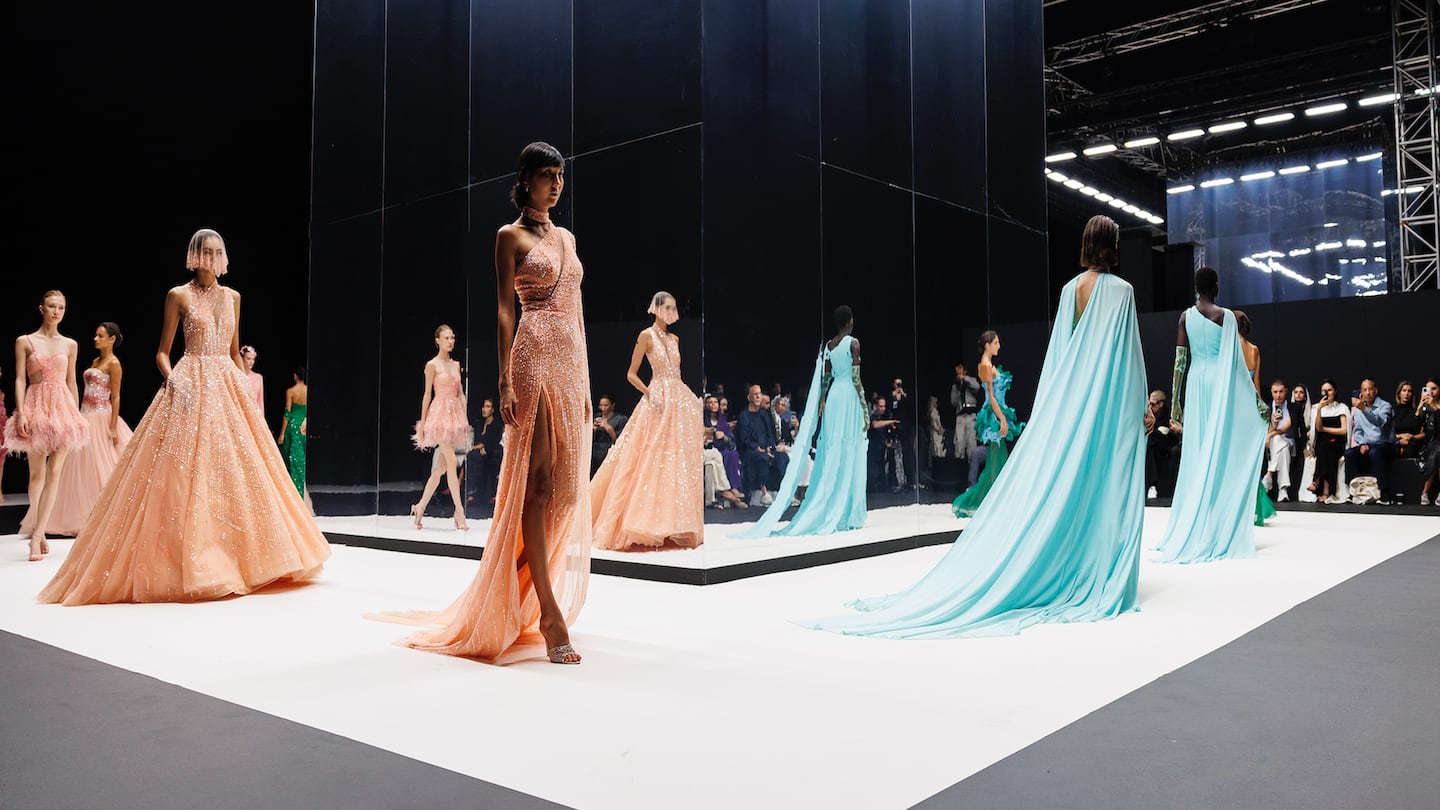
column 292, row 447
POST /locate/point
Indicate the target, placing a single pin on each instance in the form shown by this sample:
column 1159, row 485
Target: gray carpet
column 1335, row 704
column 80, row 734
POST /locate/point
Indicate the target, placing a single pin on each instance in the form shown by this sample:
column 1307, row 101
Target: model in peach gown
column 201, row 505
column 87, row 469
column 648, row 492
column 497, row 619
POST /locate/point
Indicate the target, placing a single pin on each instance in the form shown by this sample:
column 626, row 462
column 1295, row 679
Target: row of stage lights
column 1299, row 168
column 1098, row 149
column 1100, row 196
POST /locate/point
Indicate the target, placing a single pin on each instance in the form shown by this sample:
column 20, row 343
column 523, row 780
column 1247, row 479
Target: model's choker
column 542, row 217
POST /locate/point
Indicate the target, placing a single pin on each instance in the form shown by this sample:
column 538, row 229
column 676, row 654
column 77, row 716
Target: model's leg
column 436, row 472
column 539, row 490
column 447, row 466
column 50, row 487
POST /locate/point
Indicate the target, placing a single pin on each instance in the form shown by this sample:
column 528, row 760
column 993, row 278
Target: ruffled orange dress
column 200, row 505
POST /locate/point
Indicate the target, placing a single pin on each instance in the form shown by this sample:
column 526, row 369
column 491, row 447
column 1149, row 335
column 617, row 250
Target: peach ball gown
column 648, row 490
column 88, row 468
column 55, row 422
column 497, row 618
column 200, row 506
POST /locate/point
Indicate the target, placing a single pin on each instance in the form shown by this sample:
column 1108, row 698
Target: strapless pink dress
column 445, row 422
column 54, row 420
column 88, row 468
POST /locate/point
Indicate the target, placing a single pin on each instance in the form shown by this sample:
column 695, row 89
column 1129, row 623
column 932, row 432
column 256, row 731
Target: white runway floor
column 698, row 697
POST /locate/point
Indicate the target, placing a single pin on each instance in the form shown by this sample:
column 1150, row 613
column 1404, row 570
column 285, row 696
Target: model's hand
column 508, row 403
column 22, row 425
column 1004, row 427
column 115, row 436
column 303, row 423
column 1149, row 421
column 1176, row 426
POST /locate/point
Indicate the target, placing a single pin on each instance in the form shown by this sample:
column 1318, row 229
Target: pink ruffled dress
column 88, row 468
column 445, row 422
column 54, row 420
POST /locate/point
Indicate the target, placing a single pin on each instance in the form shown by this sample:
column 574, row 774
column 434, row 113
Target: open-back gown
column 497, row 618
column 200, row 505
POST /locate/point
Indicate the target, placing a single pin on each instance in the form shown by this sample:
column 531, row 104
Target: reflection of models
column 648, row 489
column 46, row 425
column 443, row 424
column 199, row 506
column 1264, row 507
column 88, row 468
column 248, row 355
column 292, row 428
column 995, row 425
column 1043, row 547
column 1212, row 515
column 532, row 579
column 835, row 499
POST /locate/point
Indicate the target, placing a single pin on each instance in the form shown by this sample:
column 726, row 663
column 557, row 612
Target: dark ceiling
column 1119, row 71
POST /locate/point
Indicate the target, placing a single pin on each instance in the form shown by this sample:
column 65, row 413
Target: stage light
column 1073, row 183
column 1295, row 170
column 1184, row 134
column 1373, row 100
column 1343, row 261
column 1179, row 189
column 1256, row 176
column 1329, row 245
column 1058, row 177
column 1330, row 164
column 1330, row 225
column 1274, row 119
column 1101, row 149
column 1380, row 259
column 1130, row 209
column 1157, row 221
column 1059, row 156
column 1218, row 181
column 1369, row 157
column 1103, row 197
column 1326, row 109
column 1299, row 252
column 1381, row 243
column 1118, row 203
column 1148, row 140
column 1088, row 191
column 1228, row 126
column 1357, row 261
column 1360, row 243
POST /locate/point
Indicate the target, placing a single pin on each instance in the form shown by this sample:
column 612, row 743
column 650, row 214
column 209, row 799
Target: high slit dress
column 497, row 617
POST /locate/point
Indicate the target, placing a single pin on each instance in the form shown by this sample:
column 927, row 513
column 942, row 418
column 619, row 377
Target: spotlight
column 1118, row 203
column 1101, row 149
column 1329, row 245
column 1326, row 109
column 1179, row 189
column 1103, row 197
column 1218, row 181
column 1373, row 100
column 1295, row 170
column 1330, row 164
column 1059, row 156
column 1148, row 140
column 1130, row 209
column 1381, row 243
column 1088, row 191
column 1369, row 157
column 1058, row 177
column 1156, row 220
column 1256, row 176
column 1299, row 252
column 1274, row 119
column 1330, row 225
column 1073, row 183
column 1184, row 134
column 1228, row 126
column 1360, row 243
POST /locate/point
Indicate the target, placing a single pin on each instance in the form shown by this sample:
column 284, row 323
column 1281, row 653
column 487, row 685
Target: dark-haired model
column 89, row 467
column 532, row 579
column 1058, row 537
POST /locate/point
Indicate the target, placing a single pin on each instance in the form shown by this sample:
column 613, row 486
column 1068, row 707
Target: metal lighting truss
column 1416, row 161
column 1168, row 28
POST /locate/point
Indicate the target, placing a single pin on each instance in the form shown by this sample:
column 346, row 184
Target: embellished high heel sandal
column 563, row 654
column 415, row 513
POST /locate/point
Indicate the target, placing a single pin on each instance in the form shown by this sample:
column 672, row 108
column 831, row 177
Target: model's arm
column 167, row 331
column 429, row 385
column 1255, row 375
column 235, row 335
column 1177, row 381
column 22, row 347
column 505, row 247
column 855, row 378
column 116, row 373
column 642, row 345
column 71, row 357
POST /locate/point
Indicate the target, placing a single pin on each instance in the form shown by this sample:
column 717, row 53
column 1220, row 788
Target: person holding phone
column 1374, row 446
column 1331, row 427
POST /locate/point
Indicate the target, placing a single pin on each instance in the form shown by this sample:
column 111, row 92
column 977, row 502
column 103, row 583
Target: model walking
column 443, row 425
column 292, row 428
column 995, row 425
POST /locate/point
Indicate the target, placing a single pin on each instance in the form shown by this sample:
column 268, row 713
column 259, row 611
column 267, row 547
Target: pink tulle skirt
column 444, row 423
column 84, row 475
column 54, row 420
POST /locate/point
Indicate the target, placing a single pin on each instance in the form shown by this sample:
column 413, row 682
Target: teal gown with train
column 1058, row 537
column 835, row 498
column 987, row 431
column 1213, row 513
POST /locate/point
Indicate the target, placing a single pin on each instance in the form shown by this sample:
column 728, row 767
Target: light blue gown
column 1058, row 537
column 1212, row 515
column 835, row 499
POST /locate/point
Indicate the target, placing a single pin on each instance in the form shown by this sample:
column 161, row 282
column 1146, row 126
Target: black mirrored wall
column 765, row 162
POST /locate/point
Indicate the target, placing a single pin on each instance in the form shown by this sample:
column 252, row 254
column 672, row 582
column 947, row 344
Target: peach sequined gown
column 200, row 505
column 497, row 618
column 649, row 489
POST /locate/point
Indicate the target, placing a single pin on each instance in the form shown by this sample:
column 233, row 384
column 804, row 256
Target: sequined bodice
column 209, row 321
column 97, row 391
column 664, row 354
column 540, row 272
column 50, row 368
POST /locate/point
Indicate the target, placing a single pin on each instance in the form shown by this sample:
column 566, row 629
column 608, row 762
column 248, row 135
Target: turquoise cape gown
column 1213, row 513
column 1058, row 537
column 835, row 499
column 987, row 430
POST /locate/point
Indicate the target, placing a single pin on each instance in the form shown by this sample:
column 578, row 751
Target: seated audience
column 1331, row 426
column 608, row 425
column 1373, row 443
column 1430, row 451
column 1279, row 442
column 1408, row 436
column 1299, row 434
column 755, row 436
column 1162, row 447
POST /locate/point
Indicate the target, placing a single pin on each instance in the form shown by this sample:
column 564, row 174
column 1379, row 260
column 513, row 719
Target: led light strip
column 1100, row 196
column 1265, row 174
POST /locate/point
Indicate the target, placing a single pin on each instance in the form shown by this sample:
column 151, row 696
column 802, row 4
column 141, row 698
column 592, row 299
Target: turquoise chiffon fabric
column 835, row 498
column 1058, row 537
column 1212, row 515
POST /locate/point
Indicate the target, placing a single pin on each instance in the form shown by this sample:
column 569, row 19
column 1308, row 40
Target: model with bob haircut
column 996, row 426
column 1058, row 537
column 533, row 576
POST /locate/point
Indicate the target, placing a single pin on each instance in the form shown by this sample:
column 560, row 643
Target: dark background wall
column 763, row 161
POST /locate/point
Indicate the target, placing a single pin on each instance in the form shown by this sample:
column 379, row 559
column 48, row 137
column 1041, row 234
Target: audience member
column 1373, row 443
column 1162, row 447
column 484, row 461
column 608, row 425
column 1331, row 425
column 755, row 435
column 718, row 434
column 886, row 469
column 1279, row 442
column 937, row 429
column 966, row 397
column 1430, row 452
column 1408, row 436
column 1299, row 434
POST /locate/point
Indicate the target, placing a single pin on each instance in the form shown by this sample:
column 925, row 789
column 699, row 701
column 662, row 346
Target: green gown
column 292, row 446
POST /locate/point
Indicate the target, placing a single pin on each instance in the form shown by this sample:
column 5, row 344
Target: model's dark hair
column 1100, row 246
column 843, row 315
column 1242, row 322
column 299, row 372
column 1207, row 282
column 533, row 157
column 113, row 330
column 985, row 338
column 606, row 396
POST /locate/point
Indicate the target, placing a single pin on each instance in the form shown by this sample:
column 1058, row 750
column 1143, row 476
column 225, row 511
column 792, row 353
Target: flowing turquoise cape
column 1058, row 537
column 1213, row 513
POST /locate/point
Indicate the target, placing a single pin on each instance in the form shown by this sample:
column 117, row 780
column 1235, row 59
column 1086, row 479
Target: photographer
column 902, row 410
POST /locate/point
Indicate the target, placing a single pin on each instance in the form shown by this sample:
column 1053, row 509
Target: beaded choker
column 542, row 217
